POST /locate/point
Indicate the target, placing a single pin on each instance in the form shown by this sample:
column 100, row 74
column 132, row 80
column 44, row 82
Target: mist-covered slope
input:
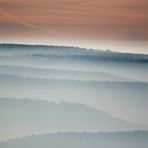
column 115, row 83
column 135, row 139
column 60, row 74
column 122, row 99
column 20, row 117
column 132, row 66
column 42, row 50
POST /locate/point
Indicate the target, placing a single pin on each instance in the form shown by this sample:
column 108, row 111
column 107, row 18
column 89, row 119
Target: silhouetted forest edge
column 81, row 53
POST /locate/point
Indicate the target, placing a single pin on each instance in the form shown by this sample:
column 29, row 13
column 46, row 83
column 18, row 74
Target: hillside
column 20, row 117
column 42, row 50
column 118, row 98
column 131, row 66
column 107, row 90
column 43, row 73
column 135, row 139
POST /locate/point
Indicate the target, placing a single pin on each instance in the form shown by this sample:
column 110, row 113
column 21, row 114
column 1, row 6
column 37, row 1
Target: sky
column 100, row 24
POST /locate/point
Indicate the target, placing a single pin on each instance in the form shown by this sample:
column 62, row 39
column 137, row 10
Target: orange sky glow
column 75, row 21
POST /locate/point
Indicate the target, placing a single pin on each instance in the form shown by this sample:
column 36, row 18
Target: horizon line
column 71, row 46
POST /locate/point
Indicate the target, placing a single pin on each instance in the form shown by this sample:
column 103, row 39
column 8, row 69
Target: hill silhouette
column 128, row 65
column 43, row 50
column 20, row 117
column 118, row 98
column 60, row 74
column 135, row 139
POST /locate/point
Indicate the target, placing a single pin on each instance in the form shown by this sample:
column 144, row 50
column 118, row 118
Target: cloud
column 17, row 19
column 13, row 5
column 13, row 27
column 112, row 19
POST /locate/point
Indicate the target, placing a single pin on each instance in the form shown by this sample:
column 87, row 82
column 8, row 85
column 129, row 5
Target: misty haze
column 62, row 97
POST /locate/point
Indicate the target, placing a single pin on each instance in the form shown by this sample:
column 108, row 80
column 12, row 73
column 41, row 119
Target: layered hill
column 20, row 117
column 135, row 139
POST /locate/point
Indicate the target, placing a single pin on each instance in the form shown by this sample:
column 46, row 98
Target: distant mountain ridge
column 78, row 52
column 128, row 65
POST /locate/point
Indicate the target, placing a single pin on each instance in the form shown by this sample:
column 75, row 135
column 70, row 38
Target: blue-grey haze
column 116, row 83
column 24, row 117
column 135, row 139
